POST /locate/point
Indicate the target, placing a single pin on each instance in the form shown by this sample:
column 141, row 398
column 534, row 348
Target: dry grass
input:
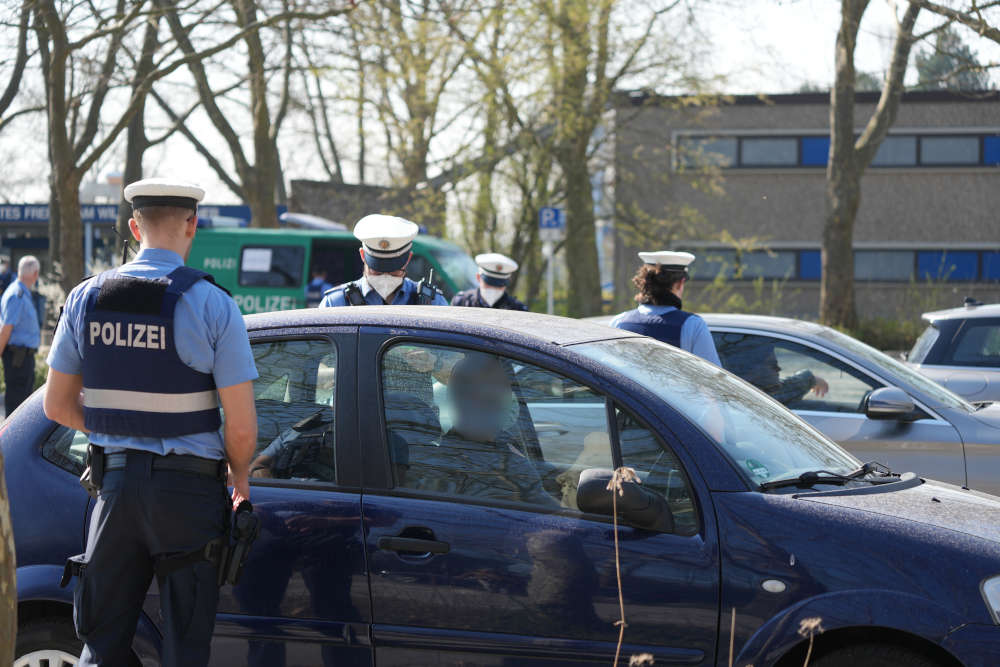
column 620, row 477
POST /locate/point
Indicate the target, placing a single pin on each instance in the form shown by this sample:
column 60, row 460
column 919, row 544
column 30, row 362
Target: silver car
column 960, row 348
column 876, row 407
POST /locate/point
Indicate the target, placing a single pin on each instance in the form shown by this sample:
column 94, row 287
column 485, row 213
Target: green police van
column 269, row 269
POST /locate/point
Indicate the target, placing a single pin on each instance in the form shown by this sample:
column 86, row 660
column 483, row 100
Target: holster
column 92, row 478
column 228, row 553
column 18, row 353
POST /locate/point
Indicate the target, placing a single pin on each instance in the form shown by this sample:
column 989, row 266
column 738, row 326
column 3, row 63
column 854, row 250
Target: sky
column 759, row 46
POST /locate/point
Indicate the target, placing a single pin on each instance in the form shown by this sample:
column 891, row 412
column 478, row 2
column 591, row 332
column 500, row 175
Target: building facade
column 742, row 183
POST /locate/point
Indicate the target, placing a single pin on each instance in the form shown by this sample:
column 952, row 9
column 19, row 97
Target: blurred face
column 480, row 403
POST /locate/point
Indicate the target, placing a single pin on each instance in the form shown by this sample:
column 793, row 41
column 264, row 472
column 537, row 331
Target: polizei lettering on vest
column 129, row 335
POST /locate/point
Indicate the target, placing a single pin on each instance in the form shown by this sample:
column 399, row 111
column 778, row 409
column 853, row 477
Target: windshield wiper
column 813, row 477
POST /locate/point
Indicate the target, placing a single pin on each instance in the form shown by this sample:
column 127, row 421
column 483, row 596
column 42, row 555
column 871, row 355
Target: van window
column 271, row 266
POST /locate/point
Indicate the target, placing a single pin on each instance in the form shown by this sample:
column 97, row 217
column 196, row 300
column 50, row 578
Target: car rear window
column 978, row 344
column 923, row 344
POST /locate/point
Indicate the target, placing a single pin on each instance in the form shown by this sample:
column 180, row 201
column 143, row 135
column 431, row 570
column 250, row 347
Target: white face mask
column 491, row 294
column 385, row 284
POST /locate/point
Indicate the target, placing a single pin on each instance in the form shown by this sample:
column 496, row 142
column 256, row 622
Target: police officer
column 156, row 347
column 317, row 287
column 19, row 334
column 660, row 281
column 386, row 248
column 494, row 275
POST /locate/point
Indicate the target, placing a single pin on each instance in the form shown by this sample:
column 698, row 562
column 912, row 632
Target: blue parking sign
column 551, row 223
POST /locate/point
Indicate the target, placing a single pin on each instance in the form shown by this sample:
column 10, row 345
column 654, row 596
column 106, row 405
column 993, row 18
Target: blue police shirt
column 402, row 297
column 695, row 336
column 319, row 284
column 209, row 334
column 18, row 310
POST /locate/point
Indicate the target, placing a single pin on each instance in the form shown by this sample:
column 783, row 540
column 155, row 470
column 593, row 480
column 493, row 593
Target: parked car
column 960, row 348
column 432, row 486
column 876, row 407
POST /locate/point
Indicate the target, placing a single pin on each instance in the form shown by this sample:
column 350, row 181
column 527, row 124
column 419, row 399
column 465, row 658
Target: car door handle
column 413, row 545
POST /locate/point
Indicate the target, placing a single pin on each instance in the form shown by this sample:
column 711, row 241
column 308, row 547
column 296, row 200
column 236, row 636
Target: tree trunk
column 8, row 586
column 843, row 187
column 71, row 231
column 584, row 288
column 262, row 188
column 135, row 147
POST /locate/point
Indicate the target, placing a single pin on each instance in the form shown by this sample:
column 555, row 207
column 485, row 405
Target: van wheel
column 873, row 655
column 47, row 643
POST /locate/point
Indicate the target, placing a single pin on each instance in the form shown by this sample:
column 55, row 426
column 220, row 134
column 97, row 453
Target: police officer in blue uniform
column 494, row 275
column 20, row 334
column 660, row 282
column 317, row 287
column 155, row 348
column 386, row 248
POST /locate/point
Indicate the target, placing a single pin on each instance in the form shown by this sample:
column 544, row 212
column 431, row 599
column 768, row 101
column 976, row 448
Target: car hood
column 931, row 503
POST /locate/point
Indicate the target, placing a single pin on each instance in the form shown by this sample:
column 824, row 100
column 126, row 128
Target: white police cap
column 386, row 240
column 495, row 265
column 163, row 192
column 667, row 258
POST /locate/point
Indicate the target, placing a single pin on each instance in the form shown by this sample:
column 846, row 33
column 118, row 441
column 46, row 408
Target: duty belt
column 172, row 462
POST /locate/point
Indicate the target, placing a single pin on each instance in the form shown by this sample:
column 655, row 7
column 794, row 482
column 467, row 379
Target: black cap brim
column 144, row 201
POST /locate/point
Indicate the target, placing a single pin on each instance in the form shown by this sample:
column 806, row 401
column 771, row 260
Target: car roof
column 432, row 242
column 768, row 322
column 523, row 328
column 963, row 312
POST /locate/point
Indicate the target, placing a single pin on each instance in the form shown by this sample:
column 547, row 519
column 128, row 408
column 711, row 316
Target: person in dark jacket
column 495, row 271
column 660, row 281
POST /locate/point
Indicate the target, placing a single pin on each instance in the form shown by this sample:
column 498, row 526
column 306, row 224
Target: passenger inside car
column 476, row 456
column 753, row 359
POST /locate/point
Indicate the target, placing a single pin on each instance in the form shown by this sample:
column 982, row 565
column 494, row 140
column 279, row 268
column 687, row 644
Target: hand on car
column 820, row 387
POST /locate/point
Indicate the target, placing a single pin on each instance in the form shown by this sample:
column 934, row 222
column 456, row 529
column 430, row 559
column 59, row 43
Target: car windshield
column 929, row 388
column 764, row 440
column 923, row 344
column 458, row 265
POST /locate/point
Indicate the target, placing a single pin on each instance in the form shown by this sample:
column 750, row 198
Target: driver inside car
column 477, row 456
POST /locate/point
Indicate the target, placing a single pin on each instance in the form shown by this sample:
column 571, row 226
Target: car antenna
column 972, row 302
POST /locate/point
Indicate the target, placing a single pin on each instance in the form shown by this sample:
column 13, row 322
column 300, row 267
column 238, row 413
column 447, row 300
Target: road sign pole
column 548, row 250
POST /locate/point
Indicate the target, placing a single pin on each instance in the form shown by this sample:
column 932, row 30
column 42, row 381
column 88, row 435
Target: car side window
column 271, row 266
column 978, row 345
column 67, row 448
column 658, row 469
column 295, row 399
column 472, row 425
column 798, row 376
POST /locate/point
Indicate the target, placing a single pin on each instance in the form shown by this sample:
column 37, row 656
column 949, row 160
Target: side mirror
column 889, row 403
column 639, row 506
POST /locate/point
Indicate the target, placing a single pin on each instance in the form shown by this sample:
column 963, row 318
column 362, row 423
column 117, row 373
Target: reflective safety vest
column 134, row 382
column 666, row 327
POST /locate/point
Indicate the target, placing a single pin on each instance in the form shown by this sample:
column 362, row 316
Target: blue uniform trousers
column 19, row 378
column 142, row 514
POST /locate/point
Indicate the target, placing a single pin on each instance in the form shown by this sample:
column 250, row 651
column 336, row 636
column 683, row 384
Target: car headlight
column 991, row 593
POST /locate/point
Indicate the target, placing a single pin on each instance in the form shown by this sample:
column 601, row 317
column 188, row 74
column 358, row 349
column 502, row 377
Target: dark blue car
column 432, row 488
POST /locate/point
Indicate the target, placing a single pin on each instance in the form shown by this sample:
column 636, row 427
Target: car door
column 478, row 553
column 303, row 596
column 829, row 392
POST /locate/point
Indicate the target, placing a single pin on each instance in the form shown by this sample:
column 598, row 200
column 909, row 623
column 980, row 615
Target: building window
column 763, row 264
column 707, row 151
column 769, row 152
column 896, row 151
column 884, row 265
column 810, row 265
column 711, row 262
column 991, row 150
column 815, row 151
column 949, row 150
column 951, row 266
column 991, row 266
